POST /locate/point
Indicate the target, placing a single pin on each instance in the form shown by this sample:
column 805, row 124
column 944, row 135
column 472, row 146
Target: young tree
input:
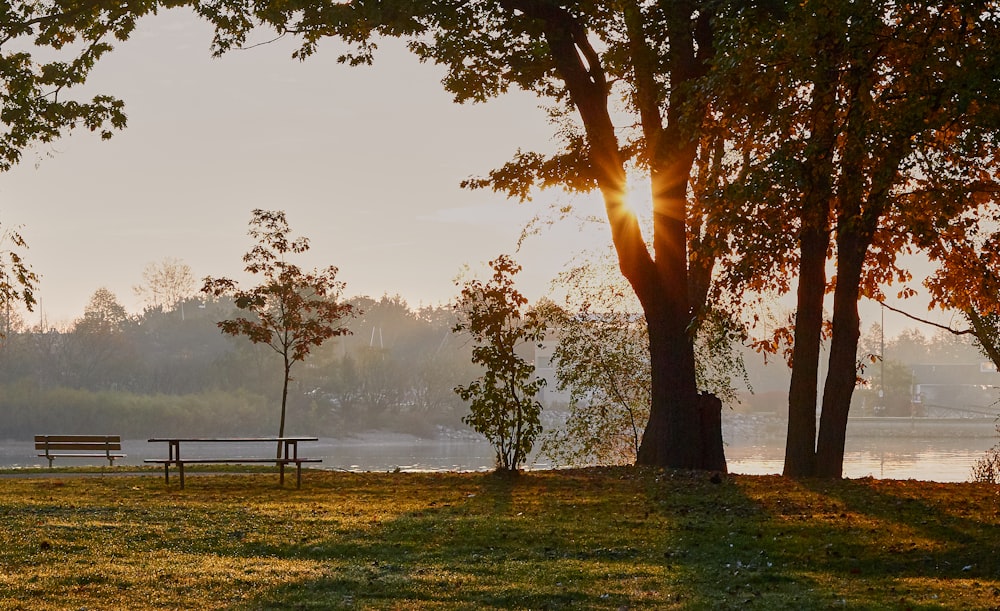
column 291, row 311
column 633, row 63
column 166, row 284
column 503, row 408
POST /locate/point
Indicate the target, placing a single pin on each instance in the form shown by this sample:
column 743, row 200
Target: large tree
column 869, row 127
column 621, row 78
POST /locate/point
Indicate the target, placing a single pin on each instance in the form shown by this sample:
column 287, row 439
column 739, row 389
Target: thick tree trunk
column 677, row 435
column 800, row 442
column 673, row 435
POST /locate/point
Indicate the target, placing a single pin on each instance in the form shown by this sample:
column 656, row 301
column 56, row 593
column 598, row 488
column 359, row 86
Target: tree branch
column 927, row 322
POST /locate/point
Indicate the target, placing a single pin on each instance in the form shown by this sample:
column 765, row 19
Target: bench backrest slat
column 78, row 446
column 92, row 438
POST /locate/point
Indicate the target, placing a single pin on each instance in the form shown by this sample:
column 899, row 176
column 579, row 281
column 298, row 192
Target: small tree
column 503, row 405
column 291, row 311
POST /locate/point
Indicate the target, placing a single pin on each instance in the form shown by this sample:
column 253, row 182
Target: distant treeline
column 173, row 372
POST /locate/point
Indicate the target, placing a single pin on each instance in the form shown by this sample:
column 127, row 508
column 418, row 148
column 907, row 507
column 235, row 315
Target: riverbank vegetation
column 613, row 538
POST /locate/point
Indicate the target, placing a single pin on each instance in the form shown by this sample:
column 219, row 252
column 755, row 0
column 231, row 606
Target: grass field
column 589, row 539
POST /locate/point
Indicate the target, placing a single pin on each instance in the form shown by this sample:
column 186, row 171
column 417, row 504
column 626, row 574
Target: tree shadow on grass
column 925, row 529
column 876, row 544
column 594, row 539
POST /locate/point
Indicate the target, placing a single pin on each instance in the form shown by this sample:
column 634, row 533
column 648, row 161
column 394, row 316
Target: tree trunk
column 800, row 442
column 842, row 372
column 814, row 240
column 673, row 436
column 284, row 402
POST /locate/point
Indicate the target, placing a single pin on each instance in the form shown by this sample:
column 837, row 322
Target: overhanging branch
column 928, row 322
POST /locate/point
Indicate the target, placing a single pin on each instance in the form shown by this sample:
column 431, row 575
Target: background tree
column 291, row 311
column 635, row 61
column 17, row 281
column 503, row 405
column 166, row 284
column 97, row 354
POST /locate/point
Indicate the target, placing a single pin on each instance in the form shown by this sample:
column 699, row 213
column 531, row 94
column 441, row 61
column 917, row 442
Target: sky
column 366, row 162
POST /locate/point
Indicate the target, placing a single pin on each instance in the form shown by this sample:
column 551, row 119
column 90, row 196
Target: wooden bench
column 289, row 454
column 80, row 446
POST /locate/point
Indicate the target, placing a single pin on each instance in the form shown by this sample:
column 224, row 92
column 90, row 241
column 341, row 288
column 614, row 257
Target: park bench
column 289, row 454
column 80, row 446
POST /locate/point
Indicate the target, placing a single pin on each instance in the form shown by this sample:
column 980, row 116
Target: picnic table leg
column 180, row 467
column 281, row 473
column 298, row 474
column 166, row 473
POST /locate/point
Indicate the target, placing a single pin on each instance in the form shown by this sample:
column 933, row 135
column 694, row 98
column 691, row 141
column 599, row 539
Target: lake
column 884, row 449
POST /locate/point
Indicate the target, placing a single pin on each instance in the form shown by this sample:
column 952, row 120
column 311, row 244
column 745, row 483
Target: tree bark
column 814, row 241
column 842, row 372
column 800, row 442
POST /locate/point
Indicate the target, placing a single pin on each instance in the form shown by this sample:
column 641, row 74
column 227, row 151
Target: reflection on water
column 886, row 450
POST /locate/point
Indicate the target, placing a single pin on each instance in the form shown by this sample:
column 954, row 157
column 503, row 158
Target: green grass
column 589, row 539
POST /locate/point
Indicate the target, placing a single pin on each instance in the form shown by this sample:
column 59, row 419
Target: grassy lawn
column 589, row 539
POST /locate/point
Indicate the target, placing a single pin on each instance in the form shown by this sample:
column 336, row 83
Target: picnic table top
column 234, row 439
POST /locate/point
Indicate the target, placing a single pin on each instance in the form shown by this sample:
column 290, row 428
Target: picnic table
column 289, row 454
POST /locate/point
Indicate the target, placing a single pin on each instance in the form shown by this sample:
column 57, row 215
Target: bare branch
column 928, row 322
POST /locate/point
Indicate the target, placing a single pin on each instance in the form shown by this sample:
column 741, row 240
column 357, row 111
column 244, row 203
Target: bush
column 987, row 469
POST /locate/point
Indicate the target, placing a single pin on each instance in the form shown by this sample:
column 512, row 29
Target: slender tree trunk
column 985, row 336
column 840, row 381
column 800, row 442
column 814, row 240
column 284, row 402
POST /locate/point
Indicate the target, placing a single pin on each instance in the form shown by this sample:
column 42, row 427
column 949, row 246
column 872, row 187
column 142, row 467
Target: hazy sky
column 365, row 161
